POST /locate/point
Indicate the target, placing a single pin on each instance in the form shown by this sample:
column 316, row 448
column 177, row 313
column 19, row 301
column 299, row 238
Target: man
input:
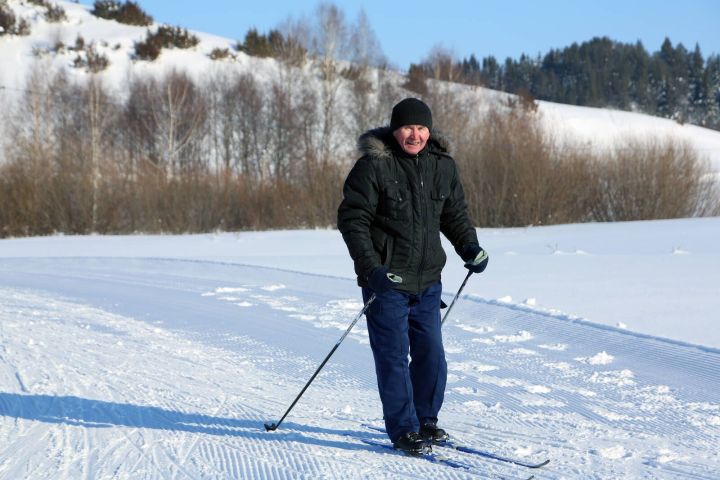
column 399, row 196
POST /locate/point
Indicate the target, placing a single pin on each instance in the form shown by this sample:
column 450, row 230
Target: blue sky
column 408, row 30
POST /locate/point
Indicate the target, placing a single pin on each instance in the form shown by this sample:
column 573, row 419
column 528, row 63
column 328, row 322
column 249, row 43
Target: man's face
column 412, row 138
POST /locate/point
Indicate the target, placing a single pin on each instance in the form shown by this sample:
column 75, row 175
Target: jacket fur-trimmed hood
column 380, row 143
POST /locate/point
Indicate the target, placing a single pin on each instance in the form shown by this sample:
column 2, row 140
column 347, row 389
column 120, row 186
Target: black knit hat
column 410, row 111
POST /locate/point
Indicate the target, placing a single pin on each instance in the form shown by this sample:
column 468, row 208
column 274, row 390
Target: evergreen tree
column 672, row 82
column 640, row 77
column 491, row 72
column 712, row 80
column 697, row 88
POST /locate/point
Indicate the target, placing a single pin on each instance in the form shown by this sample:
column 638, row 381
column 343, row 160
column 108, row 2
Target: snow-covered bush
column 128, row 13
column 9, row 24
column 55, row 13
column 92, row 60
column 165, row 37
column 7, row 19
column 220, row 54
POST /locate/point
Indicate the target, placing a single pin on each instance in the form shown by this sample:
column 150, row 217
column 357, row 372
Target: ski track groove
column 86, row 455
column 511, row 417
column 195, row 442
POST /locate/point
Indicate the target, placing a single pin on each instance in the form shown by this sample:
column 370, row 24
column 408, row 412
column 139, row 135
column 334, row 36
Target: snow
column 629, row 279
column 162, row 356
column 602, row 358
column 602, row 128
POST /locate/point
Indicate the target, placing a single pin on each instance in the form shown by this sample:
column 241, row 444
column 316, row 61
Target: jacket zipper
column 423, row 221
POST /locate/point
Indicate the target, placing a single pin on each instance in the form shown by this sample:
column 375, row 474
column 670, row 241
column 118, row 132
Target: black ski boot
column 432, row 434
column 412, row 443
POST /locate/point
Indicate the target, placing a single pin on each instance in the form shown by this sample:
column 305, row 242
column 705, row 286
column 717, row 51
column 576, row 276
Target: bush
column 416, row 80
column 55, row 13
column 128, row 13
column 255, row 44
column 517, row 174
column 165, row 37
column 93, row 61
column 79, row 43
column 274, row 44
column 647, row 179
column 220, row 54
column 176, row 37
column 7, row 20
column 147, row 49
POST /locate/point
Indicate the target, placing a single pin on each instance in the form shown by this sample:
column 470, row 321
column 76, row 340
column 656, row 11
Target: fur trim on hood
column 379, row 143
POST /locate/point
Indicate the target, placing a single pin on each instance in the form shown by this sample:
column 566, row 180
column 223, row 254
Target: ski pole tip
column 270, row 427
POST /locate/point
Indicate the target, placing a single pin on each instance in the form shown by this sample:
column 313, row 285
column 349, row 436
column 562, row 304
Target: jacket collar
column 380, row 143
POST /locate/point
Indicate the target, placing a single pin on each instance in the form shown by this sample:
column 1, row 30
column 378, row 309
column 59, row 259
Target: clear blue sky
column 408, row 30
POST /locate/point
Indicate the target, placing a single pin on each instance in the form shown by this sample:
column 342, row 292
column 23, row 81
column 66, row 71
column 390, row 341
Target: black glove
column 476, row 259
column 381, row 280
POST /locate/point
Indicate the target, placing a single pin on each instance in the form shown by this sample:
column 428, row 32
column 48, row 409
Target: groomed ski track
column 158, row 368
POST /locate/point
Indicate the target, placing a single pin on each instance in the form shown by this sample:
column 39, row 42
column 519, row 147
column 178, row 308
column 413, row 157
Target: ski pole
column 456, row 297
column 272, row 427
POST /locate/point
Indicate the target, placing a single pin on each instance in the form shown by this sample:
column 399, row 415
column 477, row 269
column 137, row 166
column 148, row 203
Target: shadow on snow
column 83, row 412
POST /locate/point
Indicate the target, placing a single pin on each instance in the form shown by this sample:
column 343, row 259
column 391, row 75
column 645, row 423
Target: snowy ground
column 161, row 357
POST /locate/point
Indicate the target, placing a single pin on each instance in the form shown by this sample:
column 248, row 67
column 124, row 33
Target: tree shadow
column 87, row 413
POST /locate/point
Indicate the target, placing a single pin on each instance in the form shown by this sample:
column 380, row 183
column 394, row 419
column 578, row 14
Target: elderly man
column 399, row 196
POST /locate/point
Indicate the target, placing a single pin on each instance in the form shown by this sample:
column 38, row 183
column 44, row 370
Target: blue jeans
column 399, row 324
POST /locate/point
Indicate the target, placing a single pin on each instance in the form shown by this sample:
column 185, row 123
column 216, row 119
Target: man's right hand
column 476, row 259
column 381, row 281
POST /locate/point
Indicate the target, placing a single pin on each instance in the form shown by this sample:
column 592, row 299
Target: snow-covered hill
column 162, row 357
column 597, row 128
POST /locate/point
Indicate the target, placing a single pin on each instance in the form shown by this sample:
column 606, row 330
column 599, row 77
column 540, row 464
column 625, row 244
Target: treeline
column 673, row 82
column 179, row 156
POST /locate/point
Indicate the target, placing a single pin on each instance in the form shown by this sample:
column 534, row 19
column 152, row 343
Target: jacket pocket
column 387, row 251
column 396, row 199
column 438, row 198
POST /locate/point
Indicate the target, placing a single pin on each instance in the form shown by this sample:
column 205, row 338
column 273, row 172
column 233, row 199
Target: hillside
column 20, row 54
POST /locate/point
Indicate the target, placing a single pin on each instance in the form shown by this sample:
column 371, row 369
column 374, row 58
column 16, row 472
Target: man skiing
column 397, row 199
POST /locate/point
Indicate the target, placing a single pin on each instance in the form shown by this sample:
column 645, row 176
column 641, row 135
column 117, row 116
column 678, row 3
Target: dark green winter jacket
column 395, row 205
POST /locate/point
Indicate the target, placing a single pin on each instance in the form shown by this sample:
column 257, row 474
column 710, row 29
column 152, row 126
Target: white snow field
column 162, row 357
